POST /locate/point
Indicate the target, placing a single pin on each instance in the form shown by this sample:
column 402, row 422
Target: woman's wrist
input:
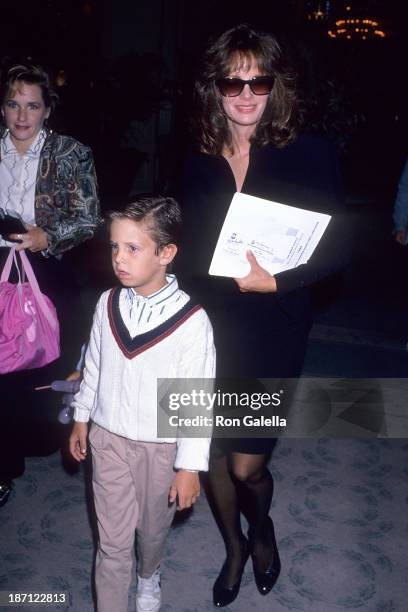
column 272, row 284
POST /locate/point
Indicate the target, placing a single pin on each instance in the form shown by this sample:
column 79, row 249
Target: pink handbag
column 29, row 328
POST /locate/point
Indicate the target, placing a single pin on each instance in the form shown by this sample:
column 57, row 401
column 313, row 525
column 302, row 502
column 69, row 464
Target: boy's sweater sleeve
column 198, row 361
column 84, row 399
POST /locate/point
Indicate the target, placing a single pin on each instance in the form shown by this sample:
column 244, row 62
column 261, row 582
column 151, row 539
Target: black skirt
column 256, row 347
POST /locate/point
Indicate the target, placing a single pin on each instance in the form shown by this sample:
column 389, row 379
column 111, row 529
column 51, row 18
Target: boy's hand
column 186, row 488
column 77, row 440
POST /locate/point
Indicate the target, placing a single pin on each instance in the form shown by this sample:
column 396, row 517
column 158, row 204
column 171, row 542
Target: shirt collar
column 159, row 297
column 33, row 150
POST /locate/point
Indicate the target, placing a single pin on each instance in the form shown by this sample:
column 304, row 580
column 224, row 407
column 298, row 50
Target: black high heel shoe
column 222, row 596
column 265, row 581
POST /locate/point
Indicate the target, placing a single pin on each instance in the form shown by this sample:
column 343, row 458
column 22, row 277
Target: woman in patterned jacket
column 49, row 180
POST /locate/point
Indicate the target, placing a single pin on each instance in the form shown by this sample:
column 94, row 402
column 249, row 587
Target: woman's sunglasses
column 232, row 87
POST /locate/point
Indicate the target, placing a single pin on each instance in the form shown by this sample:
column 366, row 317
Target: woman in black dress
column 248, row 137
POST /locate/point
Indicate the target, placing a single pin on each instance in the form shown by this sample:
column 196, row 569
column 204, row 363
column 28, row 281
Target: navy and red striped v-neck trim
column 131, row 347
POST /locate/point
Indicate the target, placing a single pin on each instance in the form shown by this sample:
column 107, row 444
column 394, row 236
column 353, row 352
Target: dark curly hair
column 234, row 50
column 31, row 74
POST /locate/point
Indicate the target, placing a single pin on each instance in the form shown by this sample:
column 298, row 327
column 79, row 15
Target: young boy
column 146, row 330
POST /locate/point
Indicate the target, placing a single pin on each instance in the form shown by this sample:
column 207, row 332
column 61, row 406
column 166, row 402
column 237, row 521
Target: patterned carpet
column 341, row 519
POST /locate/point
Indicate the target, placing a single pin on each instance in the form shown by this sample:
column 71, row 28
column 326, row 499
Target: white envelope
column 281, row 237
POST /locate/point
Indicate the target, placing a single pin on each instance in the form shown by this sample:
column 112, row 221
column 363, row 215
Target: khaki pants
column 131, row 483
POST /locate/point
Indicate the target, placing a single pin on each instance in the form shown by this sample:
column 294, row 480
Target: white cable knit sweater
column 119, row 387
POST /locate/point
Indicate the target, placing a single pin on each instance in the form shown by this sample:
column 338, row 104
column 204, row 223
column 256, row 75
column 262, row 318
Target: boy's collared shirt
column 141, row 314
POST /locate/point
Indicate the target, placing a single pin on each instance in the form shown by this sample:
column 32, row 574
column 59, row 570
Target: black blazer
column 304, row 174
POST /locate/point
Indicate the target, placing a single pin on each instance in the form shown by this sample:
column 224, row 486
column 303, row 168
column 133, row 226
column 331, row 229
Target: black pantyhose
column 241, row 483
column 254, row 485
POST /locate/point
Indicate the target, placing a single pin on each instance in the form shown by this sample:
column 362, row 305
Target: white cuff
column 81, row 415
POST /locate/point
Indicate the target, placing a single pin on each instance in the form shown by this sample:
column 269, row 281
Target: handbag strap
column 7, row 266
column 33, row 284
column 36, row 290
